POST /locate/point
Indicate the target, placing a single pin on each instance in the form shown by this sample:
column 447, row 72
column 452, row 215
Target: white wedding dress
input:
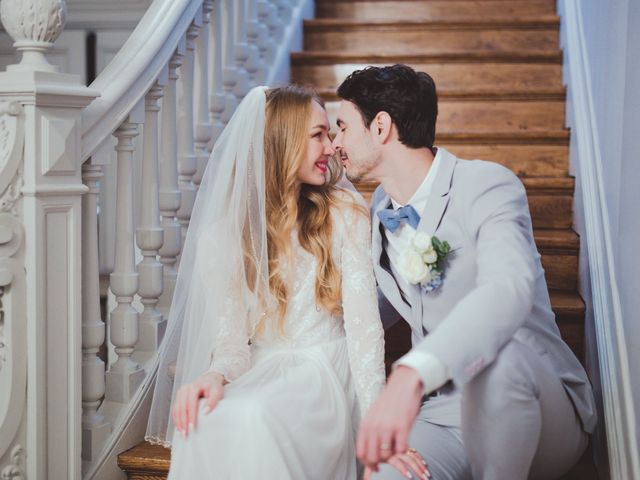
column 293, row 403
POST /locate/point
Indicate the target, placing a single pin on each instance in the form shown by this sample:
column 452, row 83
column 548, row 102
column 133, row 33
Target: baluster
column 241, row 50
column 284, row 11
column 203, row 130
column 170, row 197
column 217, row 98
column 276, row 27
column 230, row 69
column 95, row 430
column 125, row 375
column 187, row 164
column 266, row 43
column 254, row 64
column 150, row 234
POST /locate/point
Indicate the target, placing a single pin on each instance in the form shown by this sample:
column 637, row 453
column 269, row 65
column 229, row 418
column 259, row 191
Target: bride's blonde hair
column 288, row 116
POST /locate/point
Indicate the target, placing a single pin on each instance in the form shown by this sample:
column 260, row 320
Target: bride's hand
column 408, row 464
column 185, row 408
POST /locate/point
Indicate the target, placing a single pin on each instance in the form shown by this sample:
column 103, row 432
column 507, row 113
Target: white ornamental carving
column 34, row 25
column 13, row 336
column 11, row 143
column 14, row 470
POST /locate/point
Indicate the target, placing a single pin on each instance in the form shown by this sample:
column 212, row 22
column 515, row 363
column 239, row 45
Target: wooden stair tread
column 524, row 160
column 146, row 458
column 546, row 21
column 567, row 305
column 553, row 185
column 566, row 241
column 482, row 117
column 432, row 9
column 549, row 137
column 543, row 93
column 414, row 37
column 454, row 80
column 340, row 56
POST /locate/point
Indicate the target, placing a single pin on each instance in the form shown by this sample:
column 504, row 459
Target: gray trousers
column 516, row 422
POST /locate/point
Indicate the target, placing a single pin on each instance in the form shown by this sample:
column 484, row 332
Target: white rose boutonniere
column 421, row 263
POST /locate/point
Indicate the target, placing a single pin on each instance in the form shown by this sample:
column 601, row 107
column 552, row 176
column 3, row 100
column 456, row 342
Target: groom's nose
column 337, row 144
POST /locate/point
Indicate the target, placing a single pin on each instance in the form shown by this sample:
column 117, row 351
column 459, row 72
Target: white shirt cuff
column 432, row 371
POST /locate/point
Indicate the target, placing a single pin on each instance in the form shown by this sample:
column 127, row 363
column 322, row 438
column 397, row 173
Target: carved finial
column 34, row 25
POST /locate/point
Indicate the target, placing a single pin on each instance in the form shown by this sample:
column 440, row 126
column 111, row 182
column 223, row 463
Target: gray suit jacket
column 493, row 286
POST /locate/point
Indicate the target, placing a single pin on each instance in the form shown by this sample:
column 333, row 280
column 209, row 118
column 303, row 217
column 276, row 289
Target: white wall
column 611, row 39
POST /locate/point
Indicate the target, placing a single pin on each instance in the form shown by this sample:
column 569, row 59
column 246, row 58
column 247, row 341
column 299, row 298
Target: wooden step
column 524, row 160
column 489, row 94
column 559, row 250
column 339, row 57
column 567, row 306
column 450, row 10
column 145, row 462
column 454, row 80
column 481, row 117
column 525, row 37
column 550, row 200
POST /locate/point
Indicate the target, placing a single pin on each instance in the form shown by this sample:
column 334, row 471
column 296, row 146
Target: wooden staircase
column 498, row 71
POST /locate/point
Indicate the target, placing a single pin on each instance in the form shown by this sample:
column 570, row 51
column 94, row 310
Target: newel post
column 42, row 192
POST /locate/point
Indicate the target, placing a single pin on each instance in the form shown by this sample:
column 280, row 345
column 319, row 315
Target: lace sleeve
column 365, row 336
column 231, row 354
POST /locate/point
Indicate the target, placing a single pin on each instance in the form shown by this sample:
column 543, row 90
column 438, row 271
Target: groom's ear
column 383, row 126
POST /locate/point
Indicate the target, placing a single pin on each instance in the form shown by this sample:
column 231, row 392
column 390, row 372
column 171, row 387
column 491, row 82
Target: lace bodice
column 306, row 324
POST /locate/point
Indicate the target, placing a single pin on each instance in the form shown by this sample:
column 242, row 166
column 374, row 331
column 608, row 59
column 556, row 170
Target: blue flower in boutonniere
column 422, row 262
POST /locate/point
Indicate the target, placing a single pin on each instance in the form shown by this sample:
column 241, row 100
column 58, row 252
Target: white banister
column 170, row 196
column 230, row 76
column 241, row 49
column 125, row 375
column 217, row 95
column 95, row 429
column 276, row 28
column 284, row 11
column 266, row 42
column 187, row 162
column 126, row 79
column 203, row 128
column 255, row 65
column 150, row 235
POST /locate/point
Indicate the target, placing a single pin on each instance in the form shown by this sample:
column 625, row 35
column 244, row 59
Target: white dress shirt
column 432, row 371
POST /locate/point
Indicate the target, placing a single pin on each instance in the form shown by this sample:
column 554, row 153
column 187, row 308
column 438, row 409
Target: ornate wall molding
column 11, row 141
column 12, row 284
column 15, row 471
column 13, row 329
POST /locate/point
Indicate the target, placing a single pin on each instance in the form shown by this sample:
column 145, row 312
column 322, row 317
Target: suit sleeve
column 483, row 321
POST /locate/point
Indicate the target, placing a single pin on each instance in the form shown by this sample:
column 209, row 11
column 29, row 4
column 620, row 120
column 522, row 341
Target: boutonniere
column 422, row 262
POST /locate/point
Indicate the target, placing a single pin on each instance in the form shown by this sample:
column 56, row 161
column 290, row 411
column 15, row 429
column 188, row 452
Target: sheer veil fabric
column 228, row 222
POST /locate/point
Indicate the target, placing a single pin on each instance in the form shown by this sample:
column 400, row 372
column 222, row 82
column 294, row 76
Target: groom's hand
column 385, row 428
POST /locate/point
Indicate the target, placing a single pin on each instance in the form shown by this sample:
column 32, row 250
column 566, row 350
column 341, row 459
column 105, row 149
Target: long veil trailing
column 226, row 245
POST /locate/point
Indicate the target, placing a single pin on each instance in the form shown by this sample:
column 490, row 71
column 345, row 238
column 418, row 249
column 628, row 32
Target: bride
column 275, row 347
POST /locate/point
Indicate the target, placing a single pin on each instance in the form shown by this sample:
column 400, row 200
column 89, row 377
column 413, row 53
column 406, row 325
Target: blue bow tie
column 391, row 219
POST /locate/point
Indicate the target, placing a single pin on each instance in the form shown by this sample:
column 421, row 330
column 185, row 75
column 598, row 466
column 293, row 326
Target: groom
column 489, row 390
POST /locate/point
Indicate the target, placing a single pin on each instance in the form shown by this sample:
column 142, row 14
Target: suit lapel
column 439, row 196
column 432, row 215
column 386, row 280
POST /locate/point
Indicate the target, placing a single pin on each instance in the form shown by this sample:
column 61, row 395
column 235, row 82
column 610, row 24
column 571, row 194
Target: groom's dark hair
column 409, row 97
